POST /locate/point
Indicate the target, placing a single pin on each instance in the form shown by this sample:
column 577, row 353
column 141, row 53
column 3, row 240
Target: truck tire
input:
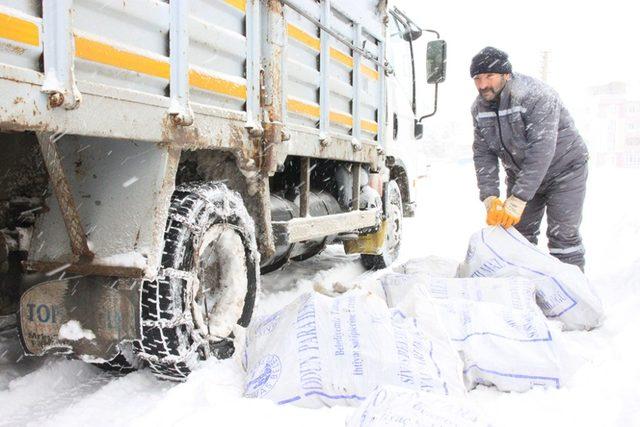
column 206, row 285
column 391, row 247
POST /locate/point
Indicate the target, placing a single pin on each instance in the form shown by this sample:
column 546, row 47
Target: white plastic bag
column 563, row 291
column 322, row 351
column 397, row 407
column 500, row 333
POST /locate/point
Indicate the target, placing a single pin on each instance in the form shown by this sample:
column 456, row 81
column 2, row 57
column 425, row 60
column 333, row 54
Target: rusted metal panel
column 122, row 193
column 124, row 114
column 306, row 143
column 87, row 316
column 272, row 97
column 89, row 268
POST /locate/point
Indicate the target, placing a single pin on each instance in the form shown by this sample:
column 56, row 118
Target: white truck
column 156, row 156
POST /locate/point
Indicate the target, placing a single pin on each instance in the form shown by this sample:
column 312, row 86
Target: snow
column 130, row 181
column 128, row 259
column 73, row 331
column 603, row 391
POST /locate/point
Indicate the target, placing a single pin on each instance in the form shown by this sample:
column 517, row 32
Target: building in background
column 613, row 124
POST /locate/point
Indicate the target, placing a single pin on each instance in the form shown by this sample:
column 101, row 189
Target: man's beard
column 489, row 94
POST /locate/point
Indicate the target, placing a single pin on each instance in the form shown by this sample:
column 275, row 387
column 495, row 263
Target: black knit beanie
column 490, row 60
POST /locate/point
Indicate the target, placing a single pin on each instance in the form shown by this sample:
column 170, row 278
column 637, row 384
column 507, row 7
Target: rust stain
column 85, row 268
column 16, row 50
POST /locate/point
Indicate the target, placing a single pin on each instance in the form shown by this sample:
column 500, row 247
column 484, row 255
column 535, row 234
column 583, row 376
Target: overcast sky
column 590, row 43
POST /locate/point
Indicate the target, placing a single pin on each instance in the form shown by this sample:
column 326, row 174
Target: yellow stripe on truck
column 313, row 42
column 238, row 4
column 19, row 30
column 369, row 126
column 312, row 110
column 341, row 118
column 303, row 108
column 212, row 83
column 95, row 51
column 341, row 57
column 303, row 37
column 369, row 72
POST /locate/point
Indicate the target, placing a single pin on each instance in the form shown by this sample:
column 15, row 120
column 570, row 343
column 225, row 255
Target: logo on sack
column 268, row 324
column 264, row 376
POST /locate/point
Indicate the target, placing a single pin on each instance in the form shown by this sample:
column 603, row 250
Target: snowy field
column 604, row 391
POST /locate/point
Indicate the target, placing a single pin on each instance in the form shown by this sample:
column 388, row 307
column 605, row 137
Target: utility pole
column 544, row 68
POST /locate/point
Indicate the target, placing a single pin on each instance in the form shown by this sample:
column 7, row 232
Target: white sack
column 502, row 336
column 322, row 351
column 513, row 292
column 430, row 266
column 397, row 407
column 563, row 291
column 515, row 350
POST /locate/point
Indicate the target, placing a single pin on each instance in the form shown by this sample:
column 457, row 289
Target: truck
column 158, row 156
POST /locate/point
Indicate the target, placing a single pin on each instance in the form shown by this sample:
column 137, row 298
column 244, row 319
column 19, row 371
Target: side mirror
column 436, row 61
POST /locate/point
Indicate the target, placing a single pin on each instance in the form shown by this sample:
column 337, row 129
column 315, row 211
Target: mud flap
column 85, row 316
column 371, row 243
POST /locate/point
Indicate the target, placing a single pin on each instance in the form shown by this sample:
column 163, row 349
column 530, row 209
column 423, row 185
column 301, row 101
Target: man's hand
column 495, row 211
column 512, row 211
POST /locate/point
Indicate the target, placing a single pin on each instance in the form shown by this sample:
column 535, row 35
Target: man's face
column 489, row 85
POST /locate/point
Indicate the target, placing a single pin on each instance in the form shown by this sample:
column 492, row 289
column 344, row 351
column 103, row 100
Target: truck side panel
column 333, row 90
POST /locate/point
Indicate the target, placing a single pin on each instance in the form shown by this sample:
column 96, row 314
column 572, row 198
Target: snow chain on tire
column 119, row 365
column 171, row 344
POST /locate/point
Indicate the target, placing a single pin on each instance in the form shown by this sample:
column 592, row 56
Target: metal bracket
column 58, row 53
column 357, row 82
column 325, row 66
column 355, row 174
column 302, row 229
column 253, row 72
column 62, row 190
column 305, row 174
column 179, row 108
column 272, row 97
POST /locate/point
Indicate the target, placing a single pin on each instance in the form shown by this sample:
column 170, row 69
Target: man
column 522, row 122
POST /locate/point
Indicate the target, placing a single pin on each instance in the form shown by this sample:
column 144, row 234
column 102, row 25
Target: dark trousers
column 563, row 199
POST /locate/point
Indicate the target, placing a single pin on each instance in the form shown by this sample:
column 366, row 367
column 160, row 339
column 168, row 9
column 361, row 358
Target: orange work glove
column 495, row 211
column 512, row 208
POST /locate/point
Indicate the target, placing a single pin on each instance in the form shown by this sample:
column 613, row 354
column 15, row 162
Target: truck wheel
column 391, row 247
column 206, row 285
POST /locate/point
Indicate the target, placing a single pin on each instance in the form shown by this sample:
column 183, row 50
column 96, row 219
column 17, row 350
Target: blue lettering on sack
column 552, row 306
column 489, row 268
column 354, row 338
column 310, row 365
column 338, row 339
column 264, row 376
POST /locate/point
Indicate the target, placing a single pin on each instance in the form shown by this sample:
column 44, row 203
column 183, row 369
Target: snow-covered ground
column 603, row 392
